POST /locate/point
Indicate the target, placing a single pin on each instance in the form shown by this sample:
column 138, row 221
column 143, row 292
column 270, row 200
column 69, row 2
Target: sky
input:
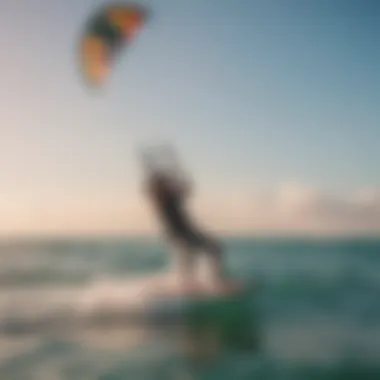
column 274, row 107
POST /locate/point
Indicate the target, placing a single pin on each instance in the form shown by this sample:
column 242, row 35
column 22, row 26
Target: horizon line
column 151, row 236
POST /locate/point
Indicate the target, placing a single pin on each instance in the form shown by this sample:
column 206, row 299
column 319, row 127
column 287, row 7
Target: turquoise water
column 315, row 313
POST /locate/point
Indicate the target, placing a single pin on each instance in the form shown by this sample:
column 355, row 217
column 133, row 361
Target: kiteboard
column 199, row 311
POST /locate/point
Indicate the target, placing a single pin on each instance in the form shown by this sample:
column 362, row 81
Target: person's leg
column 184, row 266
column 214, row 253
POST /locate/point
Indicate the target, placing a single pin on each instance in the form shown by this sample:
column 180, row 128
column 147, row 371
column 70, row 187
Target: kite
column 106, row 34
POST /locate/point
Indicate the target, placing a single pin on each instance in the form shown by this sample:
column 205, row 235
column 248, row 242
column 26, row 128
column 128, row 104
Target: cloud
column 296, row 208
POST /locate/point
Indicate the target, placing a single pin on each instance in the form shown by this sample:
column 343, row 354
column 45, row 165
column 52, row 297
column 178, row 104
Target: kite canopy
column 106, row 33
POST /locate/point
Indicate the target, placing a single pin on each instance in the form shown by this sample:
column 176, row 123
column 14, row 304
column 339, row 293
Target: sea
column 314, row 312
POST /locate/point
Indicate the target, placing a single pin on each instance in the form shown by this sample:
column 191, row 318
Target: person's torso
column 170, row 207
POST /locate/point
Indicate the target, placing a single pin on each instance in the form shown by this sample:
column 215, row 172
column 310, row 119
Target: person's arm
column 167, row 158
column 182, row 177
column 148, row 168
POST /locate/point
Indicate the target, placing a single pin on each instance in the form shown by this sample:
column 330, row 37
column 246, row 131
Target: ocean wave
column 102, row 301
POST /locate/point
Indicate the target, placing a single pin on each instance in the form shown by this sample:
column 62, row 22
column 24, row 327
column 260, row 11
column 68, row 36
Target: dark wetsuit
column 169, row 206
column 175, row 218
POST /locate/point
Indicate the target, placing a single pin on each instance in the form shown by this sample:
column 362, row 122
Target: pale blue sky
column 254, row 93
